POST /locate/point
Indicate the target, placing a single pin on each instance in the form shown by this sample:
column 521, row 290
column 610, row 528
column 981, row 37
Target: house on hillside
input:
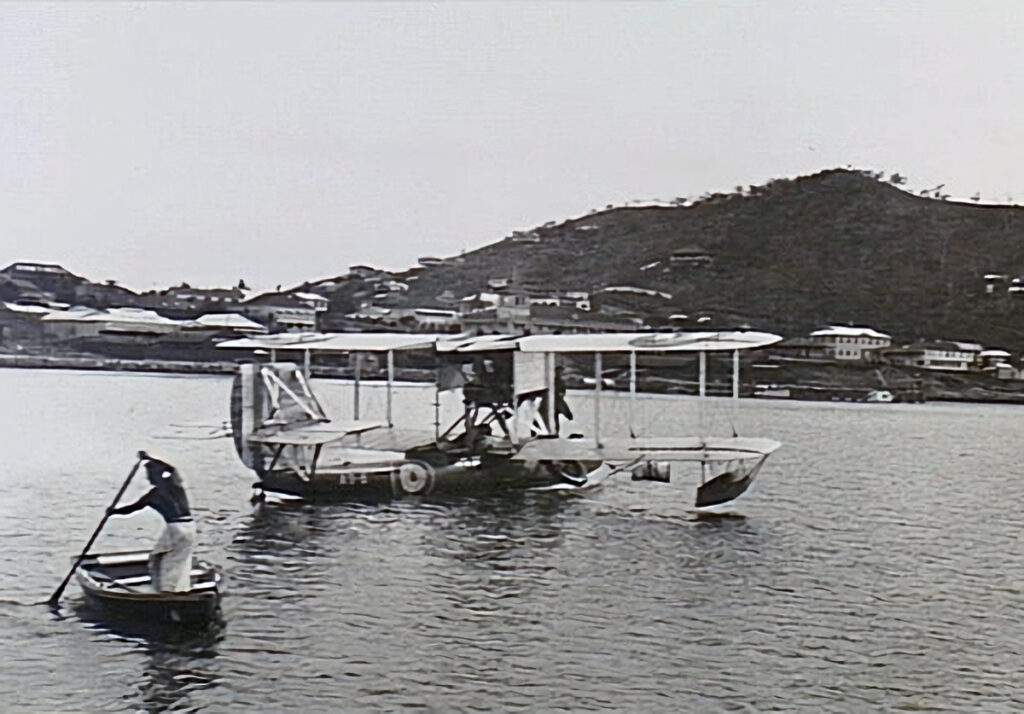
column 994, row 282
column 524, row 237
column 803, row 348
column 24, row 292
column 318, row 302
column 187, row 303
column 691, row 257
column 629, row 300
column 847, row 343
column 992, row 357
column 940, row 355
column 47, row 277
column 362, row 271
column 280, row 312
column 566, row 320
column 426, row 319
column 108, row 294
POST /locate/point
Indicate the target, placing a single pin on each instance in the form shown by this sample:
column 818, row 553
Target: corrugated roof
column 229, row 321
column 844, row 331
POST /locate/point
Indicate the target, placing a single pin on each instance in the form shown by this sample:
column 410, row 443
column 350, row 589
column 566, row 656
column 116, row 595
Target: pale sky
column 158, row 142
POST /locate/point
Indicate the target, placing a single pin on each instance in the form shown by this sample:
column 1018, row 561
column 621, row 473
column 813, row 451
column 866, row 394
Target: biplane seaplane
column 506, row 436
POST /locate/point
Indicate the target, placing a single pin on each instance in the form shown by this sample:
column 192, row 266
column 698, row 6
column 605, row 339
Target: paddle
column 55, row 598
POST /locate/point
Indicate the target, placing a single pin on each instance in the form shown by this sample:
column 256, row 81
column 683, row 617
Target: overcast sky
column 154, row 143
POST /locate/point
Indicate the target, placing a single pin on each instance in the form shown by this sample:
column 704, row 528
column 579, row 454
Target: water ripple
column 874, row 566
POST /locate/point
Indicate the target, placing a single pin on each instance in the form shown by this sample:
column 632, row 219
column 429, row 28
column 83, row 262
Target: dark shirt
column 169, row 501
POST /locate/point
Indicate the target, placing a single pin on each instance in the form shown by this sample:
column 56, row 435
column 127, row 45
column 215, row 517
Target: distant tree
column 976, row 197
column 897, row 179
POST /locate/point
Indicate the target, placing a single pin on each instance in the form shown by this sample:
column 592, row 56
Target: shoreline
column 107, row 364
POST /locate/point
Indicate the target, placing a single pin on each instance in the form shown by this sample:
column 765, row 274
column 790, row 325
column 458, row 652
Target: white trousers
column 170, row 561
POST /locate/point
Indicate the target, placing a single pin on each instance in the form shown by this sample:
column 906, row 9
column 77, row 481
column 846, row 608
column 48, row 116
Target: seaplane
column 507, row 435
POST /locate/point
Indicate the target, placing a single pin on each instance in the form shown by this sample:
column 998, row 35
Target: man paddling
column 170, row 562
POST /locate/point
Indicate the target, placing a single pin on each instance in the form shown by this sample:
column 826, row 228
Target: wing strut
column 355, row 386
column 597, row 399
column 632, row 391
column 391, row 380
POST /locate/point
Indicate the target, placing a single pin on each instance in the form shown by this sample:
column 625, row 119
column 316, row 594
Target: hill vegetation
column 837, row 247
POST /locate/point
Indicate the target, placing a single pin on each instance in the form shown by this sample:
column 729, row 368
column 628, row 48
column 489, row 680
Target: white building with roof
column 230, row 321
column 943, row 355
column 81, row 321
column 318, row 302
column 850, row 343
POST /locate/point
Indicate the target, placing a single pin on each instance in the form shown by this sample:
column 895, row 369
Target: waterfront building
column 941, row 355
column 81, row 321
column 847, row 343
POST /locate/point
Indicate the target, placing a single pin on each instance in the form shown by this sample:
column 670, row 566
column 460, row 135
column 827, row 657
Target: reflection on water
column 176, row 663
column 875, row 565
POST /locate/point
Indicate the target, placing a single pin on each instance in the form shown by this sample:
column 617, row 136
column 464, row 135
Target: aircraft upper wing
column 337, row 341
column 686, row 448
column 601, row 342
column 649, row 342
column 478, row 343
column 312, row 434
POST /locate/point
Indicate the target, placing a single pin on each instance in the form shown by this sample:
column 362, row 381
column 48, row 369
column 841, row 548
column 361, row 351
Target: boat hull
column 118, row 585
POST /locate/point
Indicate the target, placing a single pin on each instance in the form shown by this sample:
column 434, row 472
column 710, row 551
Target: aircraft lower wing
column 389, row 439
column 706, row 449
column 312, row 434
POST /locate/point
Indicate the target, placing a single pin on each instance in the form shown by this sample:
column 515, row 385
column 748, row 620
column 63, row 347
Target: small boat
column 120, row 584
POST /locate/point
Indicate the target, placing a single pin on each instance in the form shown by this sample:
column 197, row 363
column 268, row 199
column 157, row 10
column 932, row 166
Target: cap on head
column 155, row 469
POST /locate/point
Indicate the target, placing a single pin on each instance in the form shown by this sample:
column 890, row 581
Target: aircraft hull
column 390, row 480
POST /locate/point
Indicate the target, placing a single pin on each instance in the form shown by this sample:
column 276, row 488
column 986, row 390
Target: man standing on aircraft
column 561, row 408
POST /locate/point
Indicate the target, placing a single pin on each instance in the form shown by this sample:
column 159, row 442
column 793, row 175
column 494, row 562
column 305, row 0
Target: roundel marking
column 415, row 477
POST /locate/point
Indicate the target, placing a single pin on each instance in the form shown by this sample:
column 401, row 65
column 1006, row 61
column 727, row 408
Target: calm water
column 876, row 564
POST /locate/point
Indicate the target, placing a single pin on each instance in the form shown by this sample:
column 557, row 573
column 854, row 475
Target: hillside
column 836, row 247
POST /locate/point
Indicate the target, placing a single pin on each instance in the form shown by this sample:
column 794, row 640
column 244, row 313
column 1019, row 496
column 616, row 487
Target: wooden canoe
column 120, row 584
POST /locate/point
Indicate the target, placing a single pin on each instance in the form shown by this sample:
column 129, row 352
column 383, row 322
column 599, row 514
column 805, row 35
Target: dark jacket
column 168, row 499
